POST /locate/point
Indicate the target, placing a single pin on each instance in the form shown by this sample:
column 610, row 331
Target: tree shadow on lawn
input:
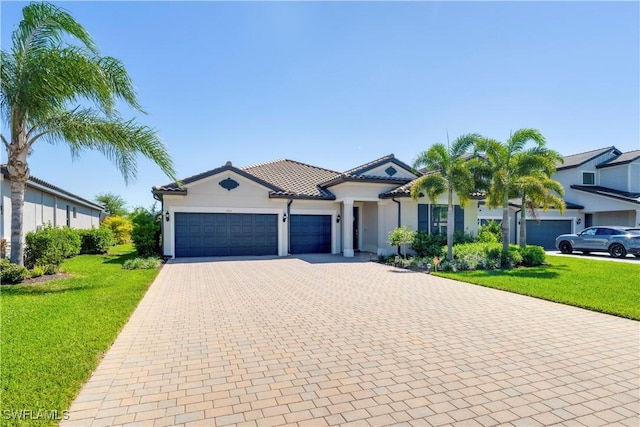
column 544, row 272
column 119, row 259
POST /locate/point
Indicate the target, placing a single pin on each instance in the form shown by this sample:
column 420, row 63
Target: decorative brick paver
column 319, row 341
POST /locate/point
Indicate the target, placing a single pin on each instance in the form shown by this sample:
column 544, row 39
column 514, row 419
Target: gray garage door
column 218, row 234
column 310, row 234
column 544, row 233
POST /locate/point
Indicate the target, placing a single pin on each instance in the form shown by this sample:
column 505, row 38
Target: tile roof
column 609, row 192
column 622, row 159
column 54, row 189
column 576, row 160
column 294, row 178
column 360, row 170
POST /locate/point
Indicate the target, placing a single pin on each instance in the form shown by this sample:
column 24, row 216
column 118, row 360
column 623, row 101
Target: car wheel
column 637, row 255
column 586, row 252
column 617, row 251
column 565, row 247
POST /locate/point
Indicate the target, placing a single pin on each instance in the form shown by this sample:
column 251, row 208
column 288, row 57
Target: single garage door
column 224, row 234
column 310, row 234
column 544, row 233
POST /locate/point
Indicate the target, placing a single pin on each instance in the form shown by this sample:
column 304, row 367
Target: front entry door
column 356, row 234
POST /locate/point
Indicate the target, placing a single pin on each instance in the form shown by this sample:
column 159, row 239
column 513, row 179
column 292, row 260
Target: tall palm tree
column 537, row 190
column 447, row 170
column 55, row 87
column 511, row 170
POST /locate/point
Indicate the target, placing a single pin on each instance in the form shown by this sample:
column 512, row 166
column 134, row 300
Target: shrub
column 121, row 228
column 12, row 273
column 429, row 246
column 50, row 246
column 532, row 255
column 512, row 258
column 401, row 237
column 446, row 266
column 461, row 237
column 37, row 271
column 146, row 233
column 490, row 232
column 96, row 240
column 141, row 263
column 3, row 248
column 471, row 256
column 51, row 269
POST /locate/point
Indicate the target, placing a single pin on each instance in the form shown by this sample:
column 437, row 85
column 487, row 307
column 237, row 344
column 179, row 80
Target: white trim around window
column 586, row 174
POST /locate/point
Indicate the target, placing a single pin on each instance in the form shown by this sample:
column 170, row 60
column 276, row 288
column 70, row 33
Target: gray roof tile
column 622, row 159
column 576, row 160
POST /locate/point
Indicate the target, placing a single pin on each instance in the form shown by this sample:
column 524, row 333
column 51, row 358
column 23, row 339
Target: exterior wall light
column 579, row 221
column 338, row 218
column 284, row 217
column 167, row 216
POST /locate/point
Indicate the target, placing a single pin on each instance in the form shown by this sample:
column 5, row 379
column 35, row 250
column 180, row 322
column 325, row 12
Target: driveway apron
column 317, row 341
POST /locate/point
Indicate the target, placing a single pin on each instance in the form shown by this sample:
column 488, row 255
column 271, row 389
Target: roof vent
column 228, row 163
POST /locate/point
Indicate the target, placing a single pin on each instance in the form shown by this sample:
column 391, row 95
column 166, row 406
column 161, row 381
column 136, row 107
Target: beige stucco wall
column 381, row 171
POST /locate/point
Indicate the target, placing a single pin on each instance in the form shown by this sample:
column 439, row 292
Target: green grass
column 54, row 334
column 598, row 285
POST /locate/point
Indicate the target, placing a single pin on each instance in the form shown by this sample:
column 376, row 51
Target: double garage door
column 226, row 234
column 544, row 233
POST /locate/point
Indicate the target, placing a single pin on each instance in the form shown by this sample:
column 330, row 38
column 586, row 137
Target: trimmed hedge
column 50, row 246
column 146, row 233
column 430, row 246
column 96, row 240
column 12, row 273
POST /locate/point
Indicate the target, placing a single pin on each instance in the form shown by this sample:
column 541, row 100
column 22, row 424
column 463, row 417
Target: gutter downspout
column 289, row 226
column 517, row 225
column 399, row 216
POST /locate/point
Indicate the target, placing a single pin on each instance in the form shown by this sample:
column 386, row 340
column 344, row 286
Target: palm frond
column 432, row 185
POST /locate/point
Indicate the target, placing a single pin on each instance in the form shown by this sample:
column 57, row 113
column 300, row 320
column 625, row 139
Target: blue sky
column 338, row 84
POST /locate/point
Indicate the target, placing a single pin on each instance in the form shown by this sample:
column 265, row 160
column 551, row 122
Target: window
column 75, row 212
column 68, row 216
column 588, row 178
column 423, row 217
column 439, row 219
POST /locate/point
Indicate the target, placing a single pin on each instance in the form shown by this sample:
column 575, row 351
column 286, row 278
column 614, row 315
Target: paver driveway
column 317, row 342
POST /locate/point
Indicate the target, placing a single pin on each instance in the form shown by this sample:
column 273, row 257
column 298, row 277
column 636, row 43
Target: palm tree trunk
column 17, row 203
column 523, row 225
column 18, row 170
column 450, row 225
column 505, row 223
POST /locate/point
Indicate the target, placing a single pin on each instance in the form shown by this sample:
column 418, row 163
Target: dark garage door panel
column 310, row 234
column 544, row 233
column 223, row 234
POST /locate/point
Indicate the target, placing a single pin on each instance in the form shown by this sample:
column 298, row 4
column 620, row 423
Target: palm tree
column 56, row 91
column 513, row 171
column 447, row 170
column 537, row 189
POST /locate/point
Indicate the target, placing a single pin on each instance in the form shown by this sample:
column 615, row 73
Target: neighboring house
column 287, row 207
column 44, row 204
column 602, row 187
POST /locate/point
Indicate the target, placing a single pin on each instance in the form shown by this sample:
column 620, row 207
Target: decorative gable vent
column 229, row 184
column 391, row 171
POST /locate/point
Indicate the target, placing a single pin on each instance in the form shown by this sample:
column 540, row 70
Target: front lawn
column 55, row 333
column 599, row 285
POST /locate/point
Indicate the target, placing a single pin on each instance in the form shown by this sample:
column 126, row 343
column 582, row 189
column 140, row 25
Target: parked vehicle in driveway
column 617, row 240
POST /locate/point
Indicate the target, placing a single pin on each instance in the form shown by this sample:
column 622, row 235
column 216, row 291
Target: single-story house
column 602, row 187
column 287, row 207
column 45, row 203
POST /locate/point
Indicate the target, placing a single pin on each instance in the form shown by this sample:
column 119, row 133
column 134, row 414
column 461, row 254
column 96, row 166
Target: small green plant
column 3, row 248
column 490, row 232
column 12, row 273
column 532, row 256
column 141, row 263
column 401, row 237
column 37, row 271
